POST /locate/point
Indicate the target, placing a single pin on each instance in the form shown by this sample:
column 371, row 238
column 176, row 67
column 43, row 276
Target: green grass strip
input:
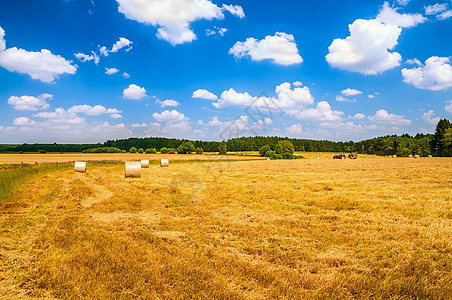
column 13, row 176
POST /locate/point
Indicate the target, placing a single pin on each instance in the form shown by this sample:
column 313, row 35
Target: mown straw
column 164, row 162
column 80, row 166
column 133, row 169
column 145, row 163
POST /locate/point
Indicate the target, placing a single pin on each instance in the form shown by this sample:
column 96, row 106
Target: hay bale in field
column 394, row 156
column 145, row 163
column 410, row 156
column 430, row 156
column 164, row 162
column 133, row 169
column 80, row 166
column 417, row 156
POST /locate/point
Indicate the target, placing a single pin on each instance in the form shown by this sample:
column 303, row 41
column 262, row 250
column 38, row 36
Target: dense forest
column 437, row 144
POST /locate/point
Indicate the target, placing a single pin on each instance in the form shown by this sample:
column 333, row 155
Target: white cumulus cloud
column 216, row 31
column 121, row 43
column 428, row 118
column 358, row 116
column 111, row 71
column 134, row 92
column 204, row 94
column 322, row 112
column 435, row 9
column 2, row 39
column 23, row 121
column 168, row 116
column 448, row 107
column 287, row 98
column 350, row 92
column 389, row 15
column 30, row 102
column 85, row 57
column 92, row 110
column 42, row 65
column 343, row 99
column 435, row 75
column 383, row 117
column 366, row 50
column 173, row 17
column 280, row 48
column 236, row 10
column 294, row 129
column 168, row 102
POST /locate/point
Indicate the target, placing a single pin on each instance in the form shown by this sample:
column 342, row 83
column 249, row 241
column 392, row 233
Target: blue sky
column 86, row 71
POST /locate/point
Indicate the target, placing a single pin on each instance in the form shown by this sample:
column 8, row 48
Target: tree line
column 437, row 144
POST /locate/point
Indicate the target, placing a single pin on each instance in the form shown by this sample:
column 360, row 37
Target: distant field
column 8, row 158
column 298, row 229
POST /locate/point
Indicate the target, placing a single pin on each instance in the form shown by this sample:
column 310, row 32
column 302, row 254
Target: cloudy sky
column 82, row 71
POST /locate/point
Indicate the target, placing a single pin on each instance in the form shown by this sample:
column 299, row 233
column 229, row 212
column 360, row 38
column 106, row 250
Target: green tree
column 133, row 150
column 186, row 148
column 140, row 150
column 222, row 149
column 151, row 151
column 199, row 150
column 264, row 149
column 437, row 143
column 285, row 146
column 447, row 142
column 164, row 150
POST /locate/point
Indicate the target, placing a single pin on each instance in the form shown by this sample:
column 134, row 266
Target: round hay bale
column 417, row 156
column 430, row 156
column 145, row 163
column 80, row 166
column 133, row 169
column 394, row 156
column 164, row 162
column 410, row 156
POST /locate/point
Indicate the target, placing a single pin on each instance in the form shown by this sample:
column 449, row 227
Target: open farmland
column 307, row 228
column 71, row 157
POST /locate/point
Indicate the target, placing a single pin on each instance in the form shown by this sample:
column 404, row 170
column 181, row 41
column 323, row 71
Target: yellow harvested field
column 292, row 229
column 72, row 157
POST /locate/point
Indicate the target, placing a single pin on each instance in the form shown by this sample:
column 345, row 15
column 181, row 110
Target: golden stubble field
column 302, row 229
column 92, row 157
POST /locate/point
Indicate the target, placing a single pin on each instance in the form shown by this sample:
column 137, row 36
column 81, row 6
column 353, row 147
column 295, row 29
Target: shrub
column 21, row 152
column 151, row 151
column 114, row 150
column 164, row 150
column 264, row 149
column 199, row 150
column 285, row 147
column 133, row 150
column 270, row 154
column 222, row 149
column 186, row 148
column 140, row 150
column 171, row 151
column 287, row 156
column 42, row 151
column 278, row 156
column 123, row 151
